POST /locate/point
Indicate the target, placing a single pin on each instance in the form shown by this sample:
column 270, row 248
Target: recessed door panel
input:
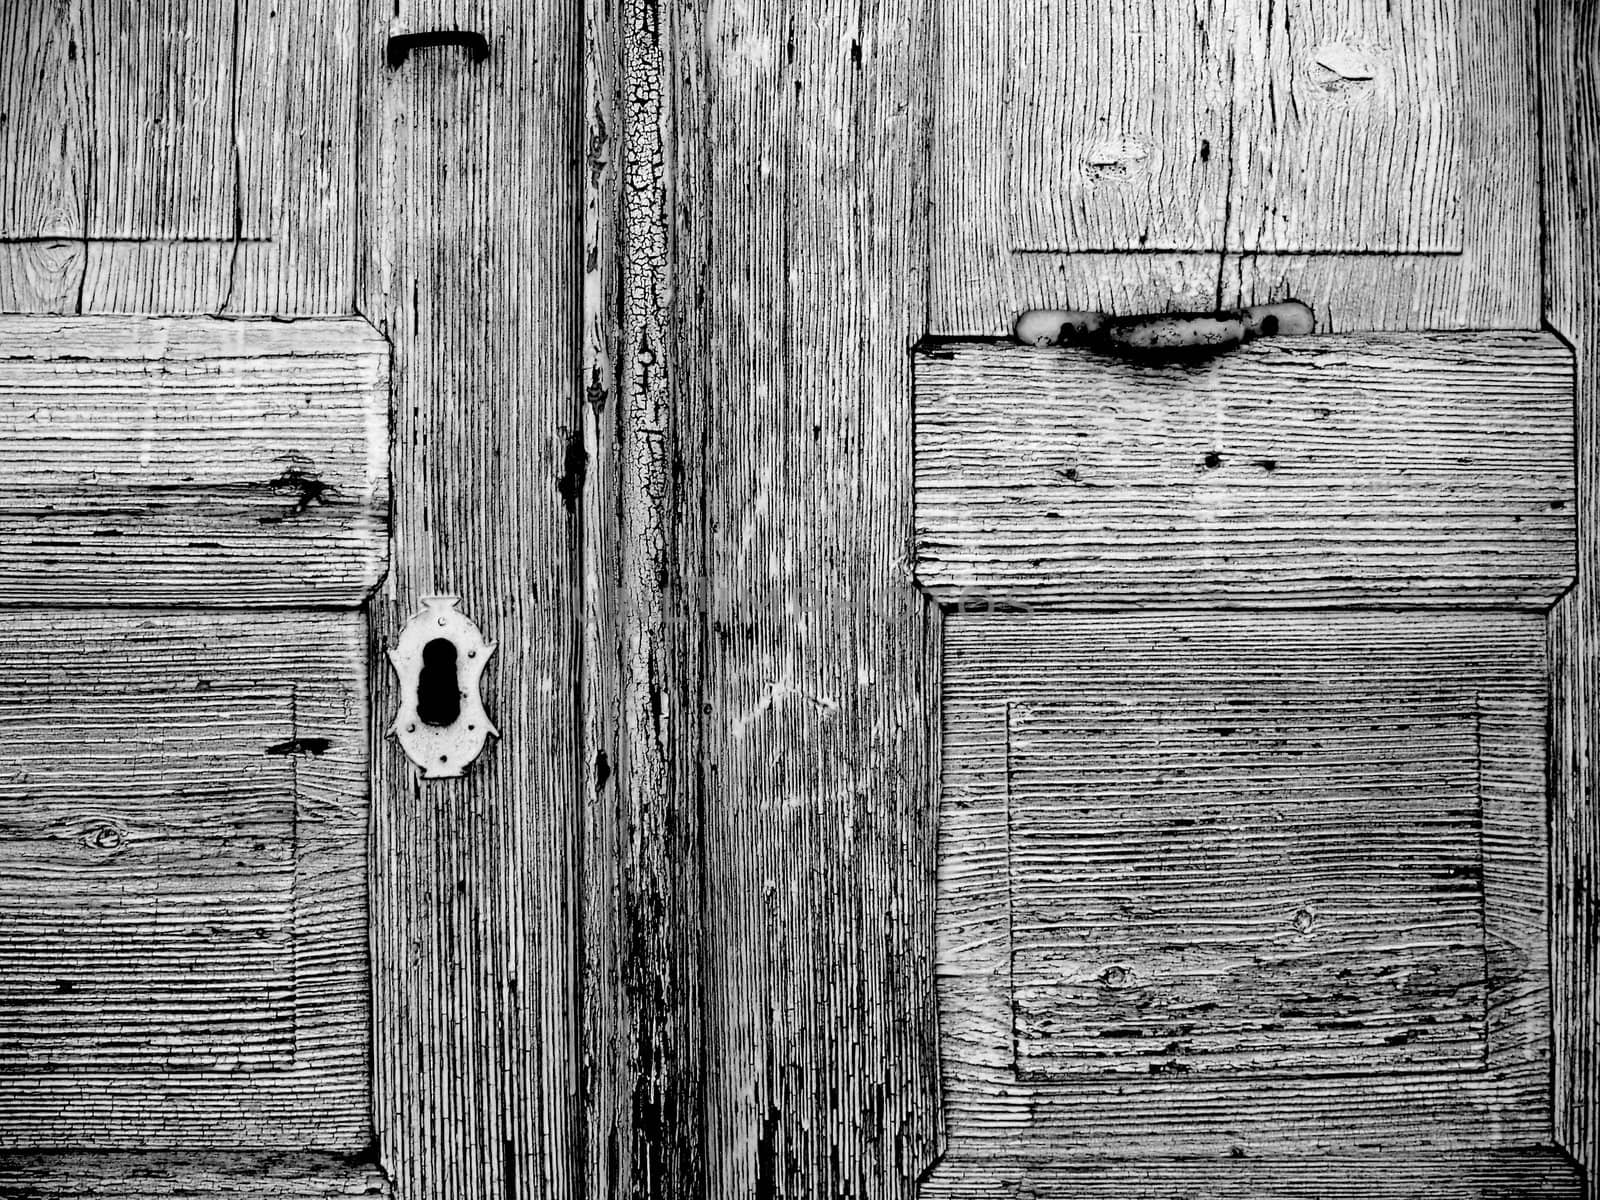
column 148, row 887
column 1205, row 878
column 183, row 880
column 1214, row 878
column 1242, row 820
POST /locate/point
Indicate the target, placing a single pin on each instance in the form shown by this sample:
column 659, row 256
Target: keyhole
column 438, row 693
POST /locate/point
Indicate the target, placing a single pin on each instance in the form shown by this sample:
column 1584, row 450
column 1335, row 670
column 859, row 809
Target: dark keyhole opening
column 438, row 693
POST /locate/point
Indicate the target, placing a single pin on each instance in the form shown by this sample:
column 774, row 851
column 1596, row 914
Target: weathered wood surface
column 1570, row 38
column 192, row 462
column 802, row 291
column 1207, row 878
column 1069, row 660
column 1224, row 125
column 155, row 1176
column 181, row 156
column 149, row 871
column 1294, row 127
column 1413, row 469
column 643, row 1118
column 796, row 289
column 473, row 272
column 103, row 96
column 183, row 827
column 1516, row 1173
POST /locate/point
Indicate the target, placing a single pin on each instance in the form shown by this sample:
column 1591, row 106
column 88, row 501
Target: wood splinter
column 1162, row 334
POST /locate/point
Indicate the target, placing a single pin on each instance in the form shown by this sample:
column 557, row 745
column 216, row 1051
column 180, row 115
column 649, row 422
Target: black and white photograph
column 800, row 599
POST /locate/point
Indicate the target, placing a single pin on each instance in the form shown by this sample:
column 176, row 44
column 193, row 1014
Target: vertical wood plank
column 802, row 286
column 1457, row 127
column 1492, row 283
column 1307, row 126
column 642, row 889
column 178, row 157
column 472, row 270
column 970, row 264
column 295, row 223
column 1346, row 132
column 162, row 105
column 45, row 141
column 1570, row 46
column 1136, row 156
column 41, row 277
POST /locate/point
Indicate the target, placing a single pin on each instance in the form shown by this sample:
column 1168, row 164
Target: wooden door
column 255, row 273
column 1257, row 852
column 927, row 764
column 1246, row 695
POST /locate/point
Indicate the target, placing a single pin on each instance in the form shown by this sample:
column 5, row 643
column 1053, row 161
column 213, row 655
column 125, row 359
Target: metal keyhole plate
column 440, row 656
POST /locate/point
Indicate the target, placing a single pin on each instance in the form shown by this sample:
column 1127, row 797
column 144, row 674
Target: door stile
column 1569, row 32
column 762, row 683
column 470, row 190
column 641, row 890
column 801, row 139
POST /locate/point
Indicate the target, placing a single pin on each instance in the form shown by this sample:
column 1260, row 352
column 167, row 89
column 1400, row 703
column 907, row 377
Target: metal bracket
column 439, row 658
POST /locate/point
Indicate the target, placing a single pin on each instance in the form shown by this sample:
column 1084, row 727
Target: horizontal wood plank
column 183, row 815
column 192, row 462
column 249, row 1175
column 1408, row 469
column 1511, row 1173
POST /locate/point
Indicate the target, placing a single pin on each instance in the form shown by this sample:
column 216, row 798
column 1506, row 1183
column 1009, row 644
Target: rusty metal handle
column 1162, row 335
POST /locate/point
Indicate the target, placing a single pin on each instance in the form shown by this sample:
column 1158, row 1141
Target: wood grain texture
column 1139, row 157
column 104, row 95
column 1520, row 1173
column 149, row 868
column 473, row 272
column 642, row 856
column 1436, row 151
column 1570, row 40
column 42, row 276
column 1204, row 879
column 194, row 462
column 1235, row 125
column 178, row 157
column 293, row 248
column 183, row 881
column 801, row 290
column 45, row 138
column 1075, row 661
column 1390, row 469
column 155, row 1176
